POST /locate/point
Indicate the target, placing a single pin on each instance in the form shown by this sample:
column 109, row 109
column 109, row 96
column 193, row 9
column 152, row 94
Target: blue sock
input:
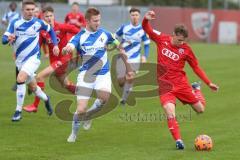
column 75, row 124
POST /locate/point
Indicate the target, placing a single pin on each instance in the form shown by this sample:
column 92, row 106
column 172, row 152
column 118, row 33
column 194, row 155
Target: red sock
column 37, row 100
column 71, row 87
column 200, row 96
column 173, row 128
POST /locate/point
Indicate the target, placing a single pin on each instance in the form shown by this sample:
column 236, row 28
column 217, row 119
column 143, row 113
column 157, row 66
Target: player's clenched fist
column 56, row 50
column 150, row 15
column 67, row 49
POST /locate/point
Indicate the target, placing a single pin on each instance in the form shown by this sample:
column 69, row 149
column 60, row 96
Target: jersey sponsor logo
column 23, row 33
column 92, row 48
column 166, row 52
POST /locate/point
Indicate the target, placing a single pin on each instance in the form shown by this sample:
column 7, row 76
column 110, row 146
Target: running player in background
column 23, row 34
column 11, row 15
column 132, row 35
column 75, row 17
column 58, row 63
column 94, row 73
column 173, row 52
column 7, row 18
column 36, row 13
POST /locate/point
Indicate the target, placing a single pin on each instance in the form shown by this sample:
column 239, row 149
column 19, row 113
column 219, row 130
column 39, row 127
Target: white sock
column 39, row 93
column 97, row 103
column 20, row 94
column 75, row 124
column 126, row 90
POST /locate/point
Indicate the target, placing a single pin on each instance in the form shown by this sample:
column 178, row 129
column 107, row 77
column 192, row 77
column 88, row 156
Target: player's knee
column 121, row 82
column 81, row 110
column 32, row 87
column 130, row 80
column 21, row 79
column 201, row 109
column 39, row 78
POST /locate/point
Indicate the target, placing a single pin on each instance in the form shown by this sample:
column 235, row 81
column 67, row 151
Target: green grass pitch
column 119, row 135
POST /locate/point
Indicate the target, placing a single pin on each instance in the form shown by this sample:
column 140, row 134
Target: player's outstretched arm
column 55, row 42
column 201, row 74
column 146, row 53
column 213, row 87
column 154, row 35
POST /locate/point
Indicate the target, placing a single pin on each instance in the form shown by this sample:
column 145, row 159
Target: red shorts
column 183, row 93
column 60, row 65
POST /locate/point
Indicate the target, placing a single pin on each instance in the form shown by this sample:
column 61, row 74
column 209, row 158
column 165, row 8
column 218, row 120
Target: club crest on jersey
column 180, row 50
column 101, row 39
column 166, row 52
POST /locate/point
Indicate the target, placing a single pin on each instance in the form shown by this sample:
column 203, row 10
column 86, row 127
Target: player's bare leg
column 169, row 109
column 40, row 94
column 121, row 81
column 199, row 107
column 40, row 82
column 102, row 98
column 66, row 83
column 127, row 87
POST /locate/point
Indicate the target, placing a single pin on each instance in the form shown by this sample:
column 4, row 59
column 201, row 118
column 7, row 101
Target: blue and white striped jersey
column 10, row 16
column 27, row 37
column 132, row 36
column 92, row 48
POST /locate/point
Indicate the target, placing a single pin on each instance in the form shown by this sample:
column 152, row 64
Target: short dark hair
column 133, row 9
column 91, row 12
column 48, row 9
column 75, row 3
column 181, row 29
column 13, row 4
column 28, row 2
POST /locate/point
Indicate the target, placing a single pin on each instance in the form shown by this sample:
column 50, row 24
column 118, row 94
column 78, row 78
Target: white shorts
column 86, row 84
column 30, row 66
column 121, row 68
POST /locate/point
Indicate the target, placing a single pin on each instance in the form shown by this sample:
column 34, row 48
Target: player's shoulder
column 102, row 30
column 124, row 25
column 186, row 46
column 35, row 19
column 163, row 36
column 80, row 14
column 59, row 25
column 68, row 14
column 16, row 20
column 81, row 32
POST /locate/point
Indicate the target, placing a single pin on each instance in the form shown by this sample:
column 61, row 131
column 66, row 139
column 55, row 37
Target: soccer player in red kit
column 75, row 17
column 58, row 63
column 173, row 52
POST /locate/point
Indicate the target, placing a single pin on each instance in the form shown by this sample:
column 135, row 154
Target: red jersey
column 172, row 59
column 61, row 31
column 75, row 19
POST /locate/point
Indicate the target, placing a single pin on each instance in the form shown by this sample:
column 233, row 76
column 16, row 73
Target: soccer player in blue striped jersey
column 23, row 35
column 132, row 36
column 11, row 15
column 94, row 72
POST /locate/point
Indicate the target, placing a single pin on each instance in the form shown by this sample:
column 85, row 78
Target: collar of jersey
column 89, row 32
column 26, row 20
column 134, row 26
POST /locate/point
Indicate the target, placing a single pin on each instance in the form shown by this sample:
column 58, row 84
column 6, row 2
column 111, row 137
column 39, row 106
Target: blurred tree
column 217, row 4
